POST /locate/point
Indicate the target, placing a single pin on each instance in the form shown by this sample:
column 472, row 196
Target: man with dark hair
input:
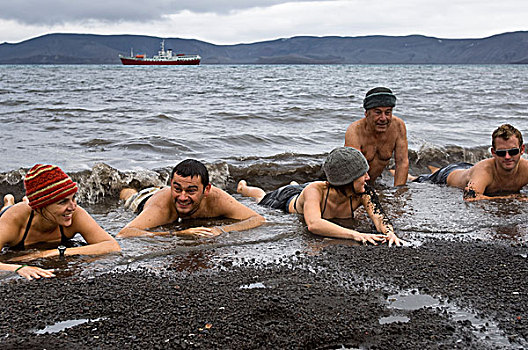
column 189, row 196
column 380, row 135
column 502, row 176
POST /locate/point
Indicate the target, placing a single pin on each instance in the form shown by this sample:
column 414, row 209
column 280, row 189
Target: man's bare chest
column 381, row 149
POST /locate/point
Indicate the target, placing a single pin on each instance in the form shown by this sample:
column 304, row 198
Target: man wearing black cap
column 336, row 198
column 380, row 135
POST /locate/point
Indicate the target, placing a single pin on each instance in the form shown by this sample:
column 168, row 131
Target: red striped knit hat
column 47, row 184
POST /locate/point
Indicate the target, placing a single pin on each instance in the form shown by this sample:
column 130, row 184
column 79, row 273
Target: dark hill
column 504, row 48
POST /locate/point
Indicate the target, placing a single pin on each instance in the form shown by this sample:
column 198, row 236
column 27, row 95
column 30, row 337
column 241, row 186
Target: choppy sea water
column 111, row 126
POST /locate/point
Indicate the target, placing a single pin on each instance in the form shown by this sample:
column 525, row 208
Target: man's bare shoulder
column 220, row 203
column 487, row 164
column 161, row 199
column 218, row 194
column 357, row 125
column 355, row 133
column 482, row 170
column 158, row 210
column 523, row 166
column 399, row 125
column 523, row 171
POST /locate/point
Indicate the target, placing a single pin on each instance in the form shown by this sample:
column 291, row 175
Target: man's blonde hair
column 505, row 131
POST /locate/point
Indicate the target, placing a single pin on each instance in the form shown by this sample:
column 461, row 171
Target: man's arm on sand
column 374, row 210
column 471, row 196
column 401, row 155
column 319, row 226
column 480, row 177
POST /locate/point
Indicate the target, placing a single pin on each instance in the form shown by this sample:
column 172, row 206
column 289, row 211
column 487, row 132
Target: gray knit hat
column 379, row 97
column 344, row 165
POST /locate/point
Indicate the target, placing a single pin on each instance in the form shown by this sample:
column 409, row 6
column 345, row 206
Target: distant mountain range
column 504, row 48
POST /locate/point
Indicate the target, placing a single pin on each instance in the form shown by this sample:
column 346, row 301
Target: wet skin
column 379, row 118
column 187, row 194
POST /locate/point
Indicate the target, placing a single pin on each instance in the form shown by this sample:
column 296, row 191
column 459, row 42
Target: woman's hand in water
column 33, row 272
column 371, row 238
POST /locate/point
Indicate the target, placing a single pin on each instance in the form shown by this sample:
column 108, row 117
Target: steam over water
column 112, row 126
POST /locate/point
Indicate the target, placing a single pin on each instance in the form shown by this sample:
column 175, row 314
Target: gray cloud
column 53, row 12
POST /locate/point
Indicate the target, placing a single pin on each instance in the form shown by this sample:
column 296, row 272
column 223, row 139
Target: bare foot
column 241, row 185
column 126, row 193
column 8, row 200
column 433, row 169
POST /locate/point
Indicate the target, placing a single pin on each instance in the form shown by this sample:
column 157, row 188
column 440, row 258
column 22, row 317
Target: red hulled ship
column 163, row 58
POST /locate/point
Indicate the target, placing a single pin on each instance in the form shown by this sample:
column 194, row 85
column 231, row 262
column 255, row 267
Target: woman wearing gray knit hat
column 336, row 198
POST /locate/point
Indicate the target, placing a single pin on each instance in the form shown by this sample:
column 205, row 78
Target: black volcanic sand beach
column 340, row 298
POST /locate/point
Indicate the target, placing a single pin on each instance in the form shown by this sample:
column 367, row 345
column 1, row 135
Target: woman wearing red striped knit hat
column 50, row 214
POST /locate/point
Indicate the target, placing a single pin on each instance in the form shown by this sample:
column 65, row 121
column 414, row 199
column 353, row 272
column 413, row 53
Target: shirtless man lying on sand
column 344, row 191
column 502, row 176
column 189, row 196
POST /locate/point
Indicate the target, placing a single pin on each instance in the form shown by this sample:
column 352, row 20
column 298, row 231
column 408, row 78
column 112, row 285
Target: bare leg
column 250, row 191
column 126, row 193
column 8, row 200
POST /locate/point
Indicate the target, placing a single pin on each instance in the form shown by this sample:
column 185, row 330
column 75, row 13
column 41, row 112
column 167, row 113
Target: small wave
column 441, row 156
column 96, row 142
column 104, row 182
column 154, row 145
column 13, row 103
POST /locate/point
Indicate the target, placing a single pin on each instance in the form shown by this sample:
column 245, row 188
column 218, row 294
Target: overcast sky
column 245, row 21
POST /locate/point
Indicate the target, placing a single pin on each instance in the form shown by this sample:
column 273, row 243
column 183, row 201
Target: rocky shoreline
column 335, row 299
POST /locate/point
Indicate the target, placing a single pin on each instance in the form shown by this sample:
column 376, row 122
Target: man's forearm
column 401, row 173
column 136, row 232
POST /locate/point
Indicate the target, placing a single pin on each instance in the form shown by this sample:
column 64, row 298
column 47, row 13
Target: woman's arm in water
column 375, row 211
column 99, row 241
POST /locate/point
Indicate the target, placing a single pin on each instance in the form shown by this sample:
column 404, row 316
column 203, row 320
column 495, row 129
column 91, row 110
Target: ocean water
column 110, row 126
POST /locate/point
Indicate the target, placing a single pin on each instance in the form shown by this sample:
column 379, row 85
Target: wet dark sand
column 339, row 306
